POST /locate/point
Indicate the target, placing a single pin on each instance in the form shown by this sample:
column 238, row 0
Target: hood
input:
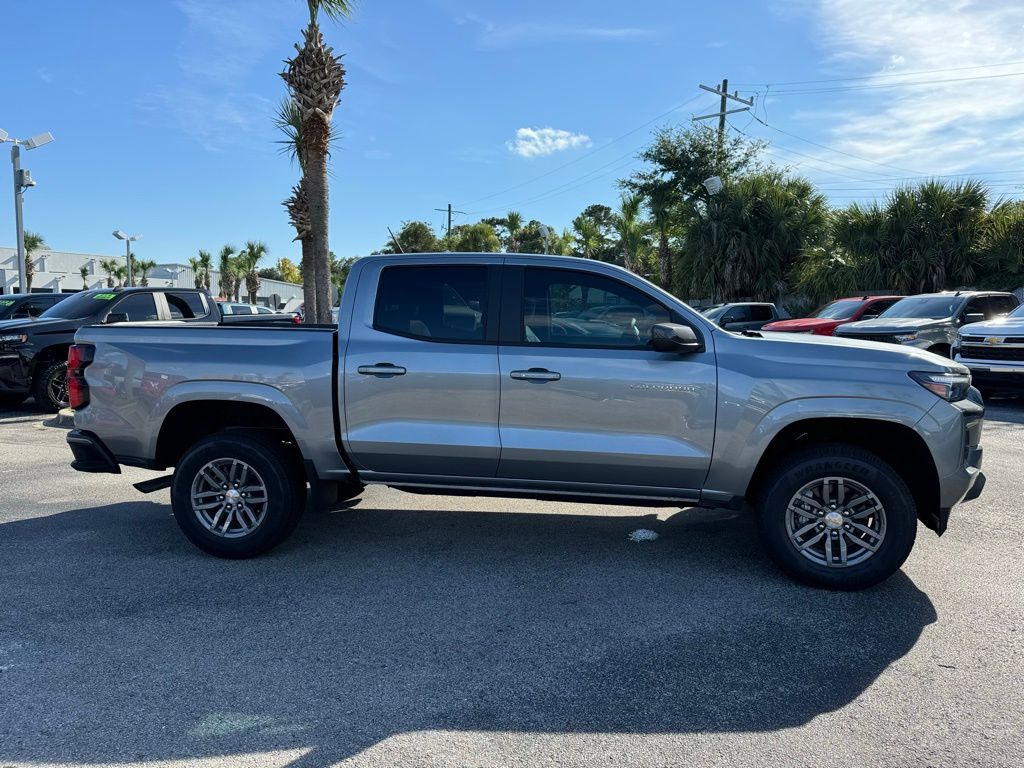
column 867, row 352
column 1003, row 326
column 801, row 324
column 37, row 325
column 883, row 325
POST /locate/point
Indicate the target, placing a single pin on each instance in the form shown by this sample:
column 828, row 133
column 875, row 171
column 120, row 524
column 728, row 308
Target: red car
column 825, row 320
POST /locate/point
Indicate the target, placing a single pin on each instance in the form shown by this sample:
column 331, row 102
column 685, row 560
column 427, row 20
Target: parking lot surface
column 437, row 631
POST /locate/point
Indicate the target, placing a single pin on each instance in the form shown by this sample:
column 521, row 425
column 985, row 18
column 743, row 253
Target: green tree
column 33, row 242
column 248, row 262
column 143, row 267
column 228, row 272
column 414, row 237
column 749, row 238
column 472, row 238
column 586, row 237
column 110, row 267
column 83, row 271
column 1002, row 247
column 340, row 269
column 197, row 271
column 121, row 273
column 205, row 266
column 661, row 201
column 632, row 231
column 315, row 78
column 598, row 223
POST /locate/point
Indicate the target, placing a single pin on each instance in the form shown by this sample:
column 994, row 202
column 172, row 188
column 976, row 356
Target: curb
column 64, row 418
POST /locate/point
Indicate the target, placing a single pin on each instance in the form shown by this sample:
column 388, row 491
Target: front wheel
column 837, row 517
column 237, row 496
column 50, row 388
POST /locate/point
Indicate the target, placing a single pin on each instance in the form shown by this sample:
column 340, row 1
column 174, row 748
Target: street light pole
column 128, row 240
column 19, row 223
column 22, row 181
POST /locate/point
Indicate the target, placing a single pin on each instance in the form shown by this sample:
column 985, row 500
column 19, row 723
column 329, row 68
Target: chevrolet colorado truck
column 509, row 375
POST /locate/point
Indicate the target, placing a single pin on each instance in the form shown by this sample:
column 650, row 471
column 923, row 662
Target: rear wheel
column 50, row 387
column 237, row 496
column 838, row 517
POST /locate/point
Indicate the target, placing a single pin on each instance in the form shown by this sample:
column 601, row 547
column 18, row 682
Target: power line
column 885, row 74
column 807, row 91
column 583, row 156
column 833, row 149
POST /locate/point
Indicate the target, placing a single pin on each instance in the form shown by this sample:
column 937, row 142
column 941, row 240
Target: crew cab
column 34, row 349
column 17, row 306
column 500, row 375
column 994, row 352
column 826, row 319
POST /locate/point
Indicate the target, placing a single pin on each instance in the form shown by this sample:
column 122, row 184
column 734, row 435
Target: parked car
column 826, row 319
column 744, row 316
column 34, row 350
column 234, row 309
column 931, row 321
column 18, row 306
column 454, row 374
column 994, row 351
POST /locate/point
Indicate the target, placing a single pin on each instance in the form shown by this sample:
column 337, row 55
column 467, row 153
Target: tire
column 270, row 466
column 50, row 386
column 889, row 513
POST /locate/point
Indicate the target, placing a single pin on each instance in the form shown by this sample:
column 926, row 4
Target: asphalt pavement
column 434, row 631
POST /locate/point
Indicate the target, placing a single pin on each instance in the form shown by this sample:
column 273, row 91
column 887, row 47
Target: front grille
column 1006, row 339
column 996, row 352
column 885, row 338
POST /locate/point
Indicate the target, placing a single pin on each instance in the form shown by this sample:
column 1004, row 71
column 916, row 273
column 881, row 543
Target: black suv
column 34, row 350
column 16, row 306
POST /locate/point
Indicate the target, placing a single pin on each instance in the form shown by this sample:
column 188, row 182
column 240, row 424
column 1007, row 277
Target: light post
column 22, row 181
column 128, row 240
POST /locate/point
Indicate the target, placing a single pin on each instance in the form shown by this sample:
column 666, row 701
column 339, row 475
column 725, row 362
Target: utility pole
column 723, row 110
column 450, row 212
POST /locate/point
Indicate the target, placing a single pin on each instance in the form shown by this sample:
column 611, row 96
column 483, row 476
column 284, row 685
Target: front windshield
column 6, row 306
column 714, row 314
column 843, row 309
column 81, row 305
column 925, row 307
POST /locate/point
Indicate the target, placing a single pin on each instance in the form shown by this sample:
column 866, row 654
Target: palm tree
column 289, row 121
column 121, row 273
column 228, row 275
column 513, row 228
column 248, row 265
column 587, row 236
column 205, row 265
column 84, row 272
column 33, row 242
column 315, row 78
column 197, row 271
column 143, row 267
column 632, row 232
column 660, row 201
column 110, row 267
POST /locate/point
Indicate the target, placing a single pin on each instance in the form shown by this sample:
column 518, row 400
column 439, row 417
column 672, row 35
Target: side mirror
column 672, row 337
column 116, row 317
column 974, row 317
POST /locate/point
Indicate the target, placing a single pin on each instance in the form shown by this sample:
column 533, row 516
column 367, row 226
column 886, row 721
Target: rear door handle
column 536, row 374
column 381, row 369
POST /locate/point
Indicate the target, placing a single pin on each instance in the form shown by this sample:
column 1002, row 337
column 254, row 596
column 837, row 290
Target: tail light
column 296, row 319
column 79, row 357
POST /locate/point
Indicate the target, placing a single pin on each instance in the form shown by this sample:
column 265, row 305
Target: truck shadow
column 123, row 643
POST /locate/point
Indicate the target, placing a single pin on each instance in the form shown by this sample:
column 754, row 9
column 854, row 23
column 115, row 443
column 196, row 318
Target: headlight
column 948, row 386
column 903, row 338
column 14, row 338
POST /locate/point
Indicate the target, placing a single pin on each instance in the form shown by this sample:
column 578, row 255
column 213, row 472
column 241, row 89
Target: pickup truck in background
column 522, row 376
column 994, row 352
column 744, row 315
column 826, row 319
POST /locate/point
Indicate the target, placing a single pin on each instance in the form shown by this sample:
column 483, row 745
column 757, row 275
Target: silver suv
column 930, row 321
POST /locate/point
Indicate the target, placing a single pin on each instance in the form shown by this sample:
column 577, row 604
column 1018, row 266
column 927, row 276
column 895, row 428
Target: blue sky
column 162, row 109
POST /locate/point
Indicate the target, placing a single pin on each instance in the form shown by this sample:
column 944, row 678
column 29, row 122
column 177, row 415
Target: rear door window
column 137, row 306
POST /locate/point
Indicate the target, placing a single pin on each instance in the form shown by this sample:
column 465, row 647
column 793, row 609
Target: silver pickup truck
column 542, row 377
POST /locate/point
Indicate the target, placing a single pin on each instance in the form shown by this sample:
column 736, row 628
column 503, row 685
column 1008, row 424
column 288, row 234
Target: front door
column 421, row 371
column 585, row 400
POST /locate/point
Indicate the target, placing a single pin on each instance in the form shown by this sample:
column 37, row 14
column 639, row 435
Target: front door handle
column 381, row 369
column 536, row 374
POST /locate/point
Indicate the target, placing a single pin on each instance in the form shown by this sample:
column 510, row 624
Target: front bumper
column 91, row 455
column 966, row 481
column 994, row 375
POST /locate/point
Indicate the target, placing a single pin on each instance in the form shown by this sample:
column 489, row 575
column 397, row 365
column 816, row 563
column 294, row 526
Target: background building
column 59, row 271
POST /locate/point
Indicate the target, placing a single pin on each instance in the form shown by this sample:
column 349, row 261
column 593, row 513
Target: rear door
column 421, row 369
column 586, row 402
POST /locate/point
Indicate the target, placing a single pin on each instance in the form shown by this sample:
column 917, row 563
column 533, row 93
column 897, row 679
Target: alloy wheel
column 836, row 522
column 229, row 498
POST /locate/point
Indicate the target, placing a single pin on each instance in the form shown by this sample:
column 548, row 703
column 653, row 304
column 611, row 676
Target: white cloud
column 941, row 127
column 537, row 142
column 492, row 35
